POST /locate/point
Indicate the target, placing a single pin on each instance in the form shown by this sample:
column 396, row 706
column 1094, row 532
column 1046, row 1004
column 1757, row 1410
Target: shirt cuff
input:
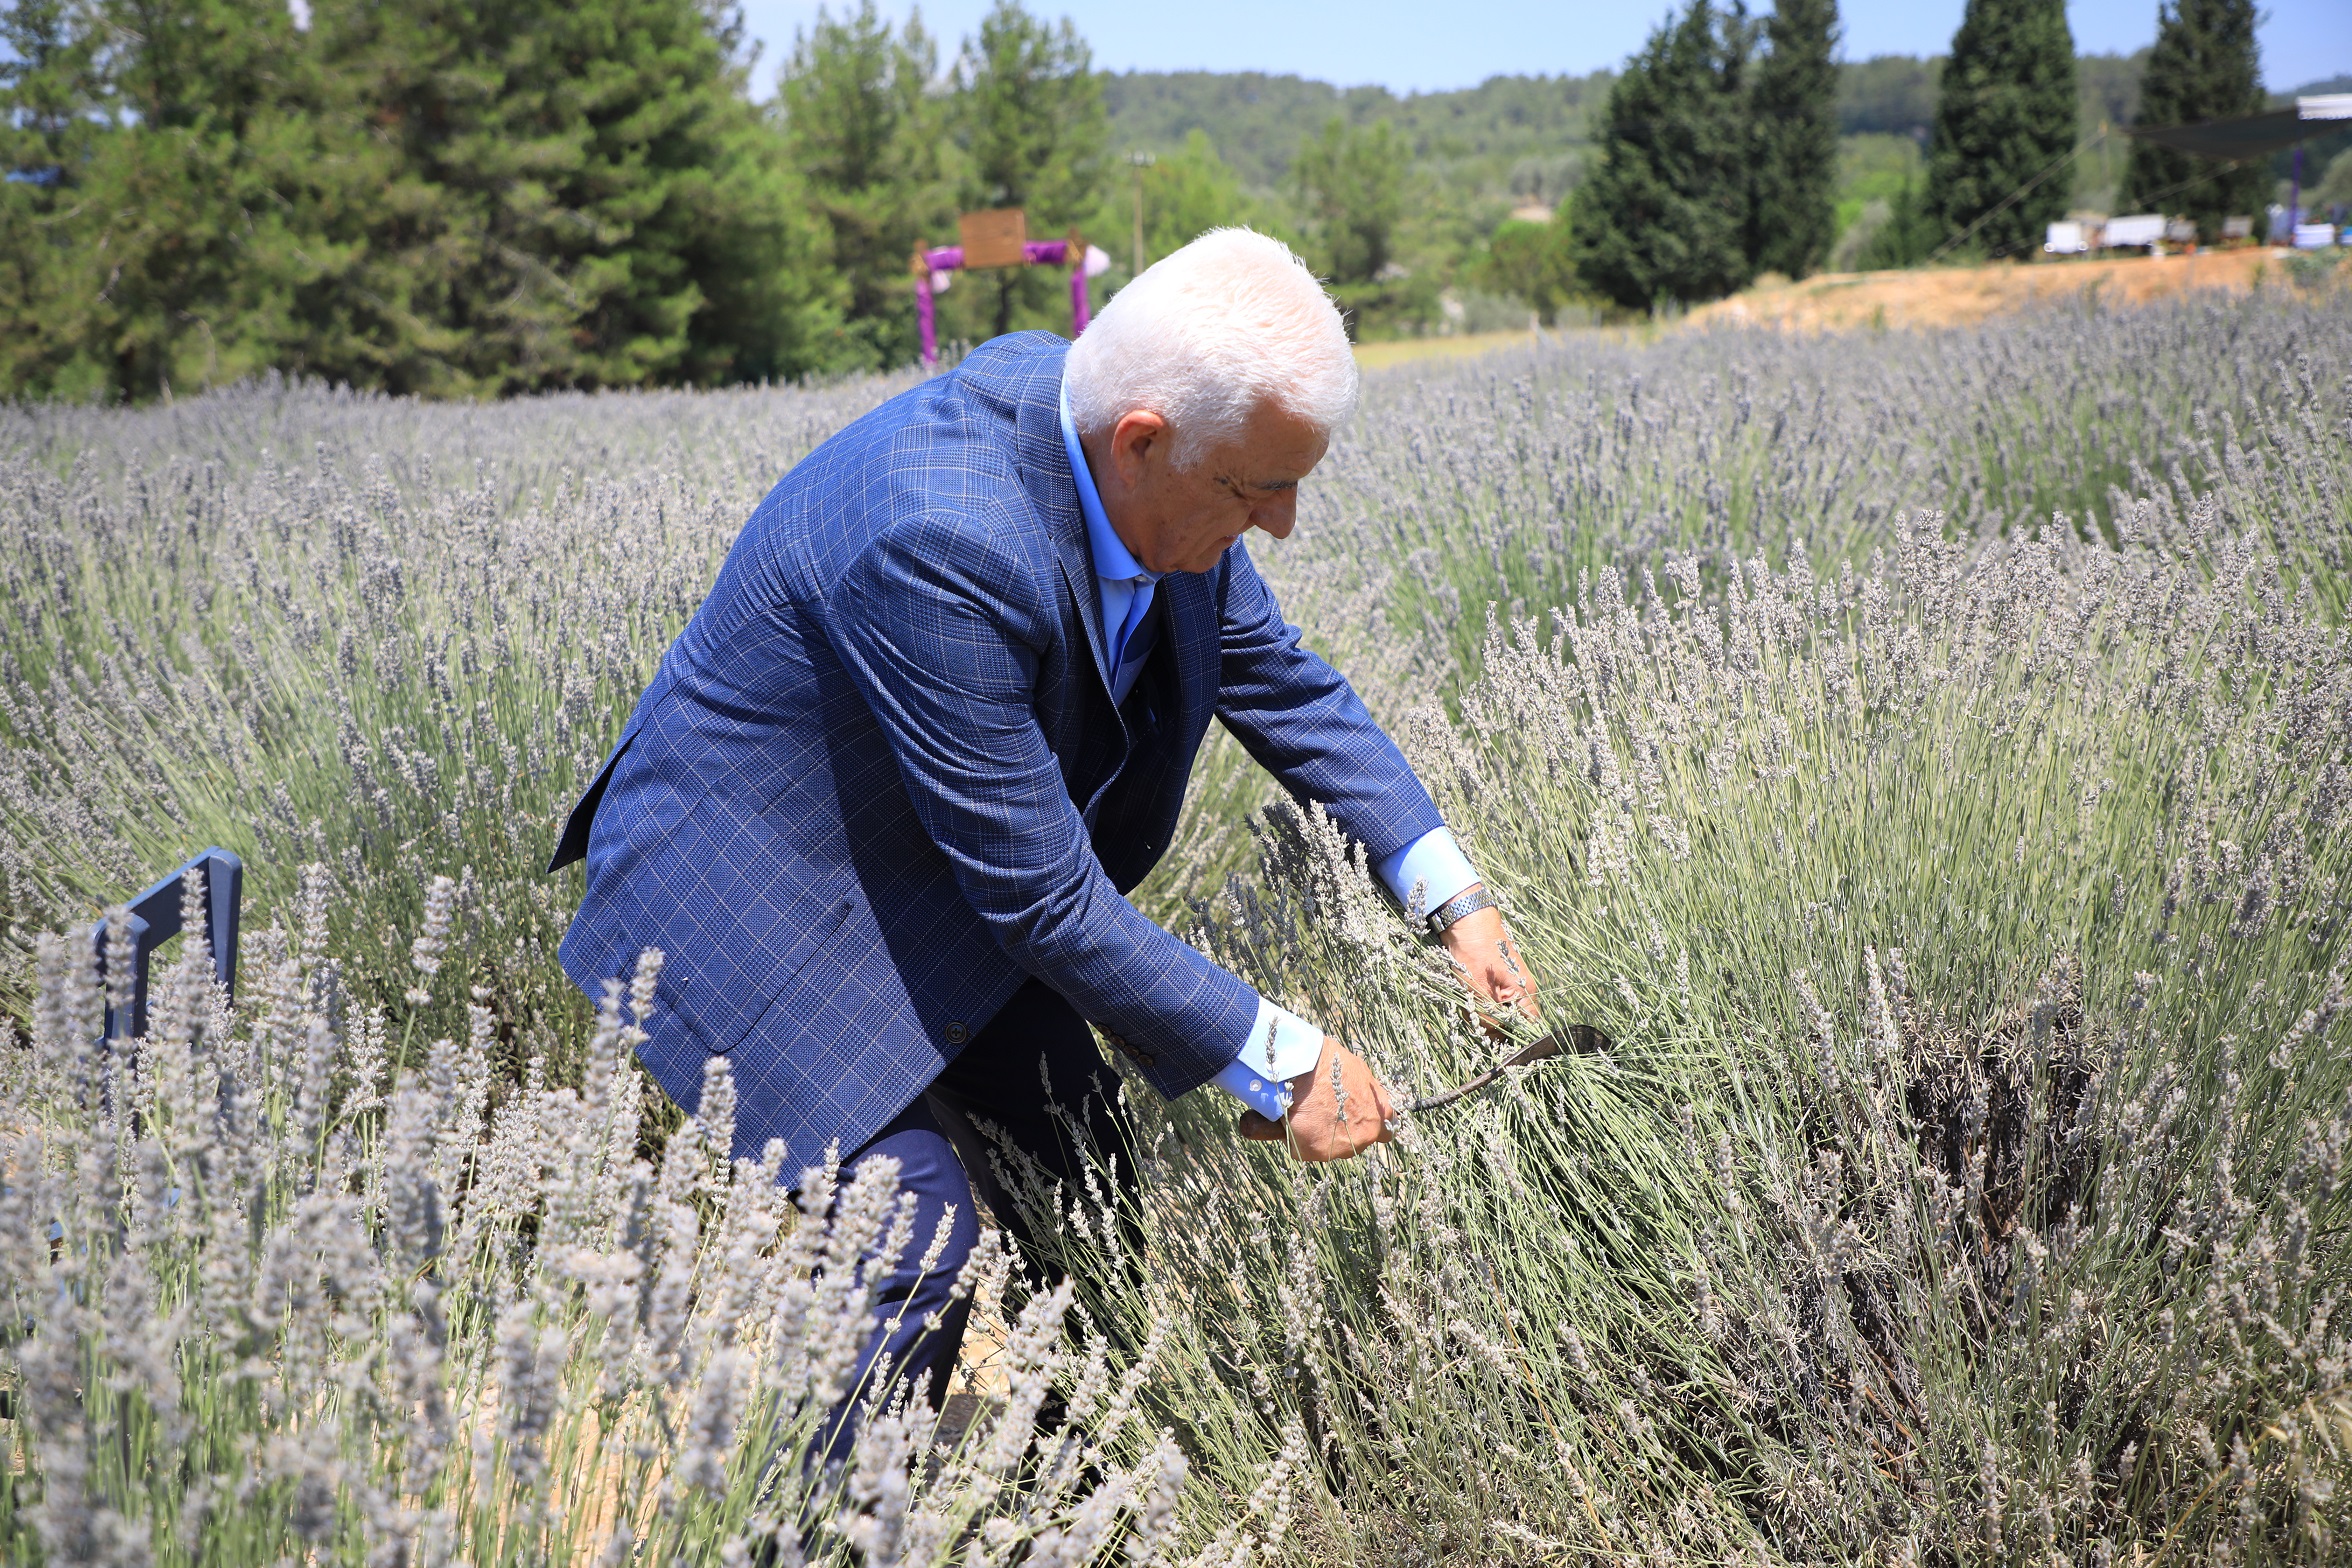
column 1436, row 862
column 1281, row 1045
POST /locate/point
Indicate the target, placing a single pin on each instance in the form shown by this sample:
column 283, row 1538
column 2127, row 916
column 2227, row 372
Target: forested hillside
column 1514, row 134
column 1480, row 152
column 1517, row 136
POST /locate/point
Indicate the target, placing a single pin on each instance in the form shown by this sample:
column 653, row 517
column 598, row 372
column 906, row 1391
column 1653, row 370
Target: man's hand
column 1336, row 1112
column 1481, row 947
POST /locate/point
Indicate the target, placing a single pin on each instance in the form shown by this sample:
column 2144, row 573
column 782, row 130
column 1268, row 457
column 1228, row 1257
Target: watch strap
column 1459, row 906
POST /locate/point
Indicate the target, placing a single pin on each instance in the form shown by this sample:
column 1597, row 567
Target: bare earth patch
column 1927, row 297
column 1963, row 296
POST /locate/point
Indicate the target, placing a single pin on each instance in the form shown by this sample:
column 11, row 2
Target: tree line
column 513, row 196
column 1719, row 144
column 417, row 197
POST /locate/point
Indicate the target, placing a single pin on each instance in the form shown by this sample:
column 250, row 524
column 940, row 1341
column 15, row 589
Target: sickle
column 1583, row 1039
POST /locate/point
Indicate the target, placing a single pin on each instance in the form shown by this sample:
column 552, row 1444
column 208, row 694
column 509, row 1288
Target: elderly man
column 882, row 801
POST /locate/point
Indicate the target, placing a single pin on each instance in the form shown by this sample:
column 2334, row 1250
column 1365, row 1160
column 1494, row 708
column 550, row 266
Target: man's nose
column 1276, row 514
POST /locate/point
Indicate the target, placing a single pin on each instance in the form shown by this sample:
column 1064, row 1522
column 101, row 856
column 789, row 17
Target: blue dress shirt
column 1280, row 1044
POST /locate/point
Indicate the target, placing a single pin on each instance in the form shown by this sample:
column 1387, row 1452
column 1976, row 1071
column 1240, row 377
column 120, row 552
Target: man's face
column 1182, row 519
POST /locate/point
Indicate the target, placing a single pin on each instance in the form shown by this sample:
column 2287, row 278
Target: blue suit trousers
column 942, row 1159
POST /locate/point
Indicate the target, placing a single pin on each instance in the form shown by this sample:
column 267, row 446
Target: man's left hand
column 1481, row 947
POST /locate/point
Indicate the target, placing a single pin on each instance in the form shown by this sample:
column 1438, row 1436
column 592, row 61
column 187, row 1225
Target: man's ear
column 1138, row 438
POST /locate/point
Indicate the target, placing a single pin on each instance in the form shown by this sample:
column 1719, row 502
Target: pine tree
column 51, row 95
column 1187, row 193
column 1665, row 215
column 2202, row 68
column 585, row 198
column 407, row 195
column 1793, row 99
column 1351, row 183
column 1030, row 109
column 2005, row 118
column 201, row 209
column 51, row 92
column 870, row 142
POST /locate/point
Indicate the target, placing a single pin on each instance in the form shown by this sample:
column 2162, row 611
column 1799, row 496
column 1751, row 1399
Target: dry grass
column 1964, row 296
column 1924, row 297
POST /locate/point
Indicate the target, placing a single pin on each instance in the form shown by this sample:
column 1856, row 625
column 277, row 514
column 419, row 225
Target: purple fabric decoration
column 1037, row 253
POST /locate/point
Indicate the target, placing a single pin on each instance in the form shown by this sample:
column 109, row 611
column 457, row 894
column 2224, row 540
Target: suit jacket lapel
column 1053, row 490
column 1192, row 626
column 1080, row 572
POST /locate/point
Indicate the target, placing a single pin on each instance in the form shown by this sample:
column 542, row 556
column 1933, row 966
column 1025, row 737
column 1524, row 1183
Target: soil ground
column 1928, row 297
column 1961, row 296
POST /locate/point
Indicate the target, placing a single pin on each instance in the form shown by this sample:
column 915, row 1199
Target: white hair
column 1206, row 336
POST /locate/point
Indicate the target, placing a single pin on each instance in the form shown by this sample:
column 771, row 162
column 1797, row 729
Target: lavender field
column 1929, row 757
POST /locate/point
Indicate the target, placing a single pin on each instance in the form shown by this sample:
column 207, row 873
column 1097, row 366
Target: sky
column 1420, row 46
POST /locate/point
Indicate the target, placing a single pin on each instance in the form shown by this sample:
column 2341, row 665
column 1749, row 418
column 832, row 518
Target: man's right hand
column 1336, row 1112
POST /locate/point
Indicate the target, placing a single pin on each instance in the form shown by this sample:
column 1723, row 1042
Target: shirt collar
column 1112, row 558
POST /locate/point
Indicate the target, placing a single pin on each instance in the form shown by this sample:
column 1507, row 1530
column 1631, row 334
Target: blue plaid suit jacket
column 878, row 781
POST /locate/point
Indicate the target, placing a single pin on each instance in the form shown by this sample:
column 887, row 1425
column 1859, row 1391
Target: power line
column 2017, row 195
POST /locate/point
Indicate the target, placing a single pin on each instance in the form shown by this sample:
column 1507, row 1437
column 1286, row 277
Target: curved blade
column 1583, row 1039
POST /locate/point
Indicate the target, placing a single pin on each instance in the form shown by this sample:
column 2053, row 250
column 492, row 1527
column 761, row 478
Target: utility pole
column 1140, row 161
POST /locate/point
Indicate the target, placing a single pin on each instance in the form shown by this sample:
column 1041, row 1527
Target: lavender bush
column 1966, row 1180
column 1928, row 757
column 266, row 1301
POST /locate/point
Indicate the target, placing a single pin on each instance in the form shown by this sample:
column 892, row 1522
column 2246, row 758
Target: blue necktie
column 1135, row 610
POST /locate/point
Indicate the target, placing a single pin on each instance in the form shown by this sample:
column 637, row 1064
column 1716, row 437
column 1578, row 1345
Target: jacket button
column 1119, row 1043
column 957, row 1034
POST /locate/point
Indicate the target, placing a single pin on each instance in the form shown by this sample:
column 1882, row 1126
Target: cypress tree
column 1792, row 219
column 2005, row 114
column 2202, row 68
column 1665, row 215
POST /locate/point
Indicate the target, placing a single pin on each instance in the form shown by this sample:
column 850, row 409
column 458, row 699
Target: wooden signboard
column 995, row 238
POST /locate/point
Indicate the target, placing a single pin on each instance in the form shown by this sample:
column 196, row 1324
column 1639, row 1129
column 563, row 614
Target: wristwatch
column 1459, row 906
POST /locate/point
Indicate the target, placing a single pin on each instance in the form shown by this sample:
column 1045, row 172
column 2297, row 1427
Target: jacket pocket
column 719, row 1027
